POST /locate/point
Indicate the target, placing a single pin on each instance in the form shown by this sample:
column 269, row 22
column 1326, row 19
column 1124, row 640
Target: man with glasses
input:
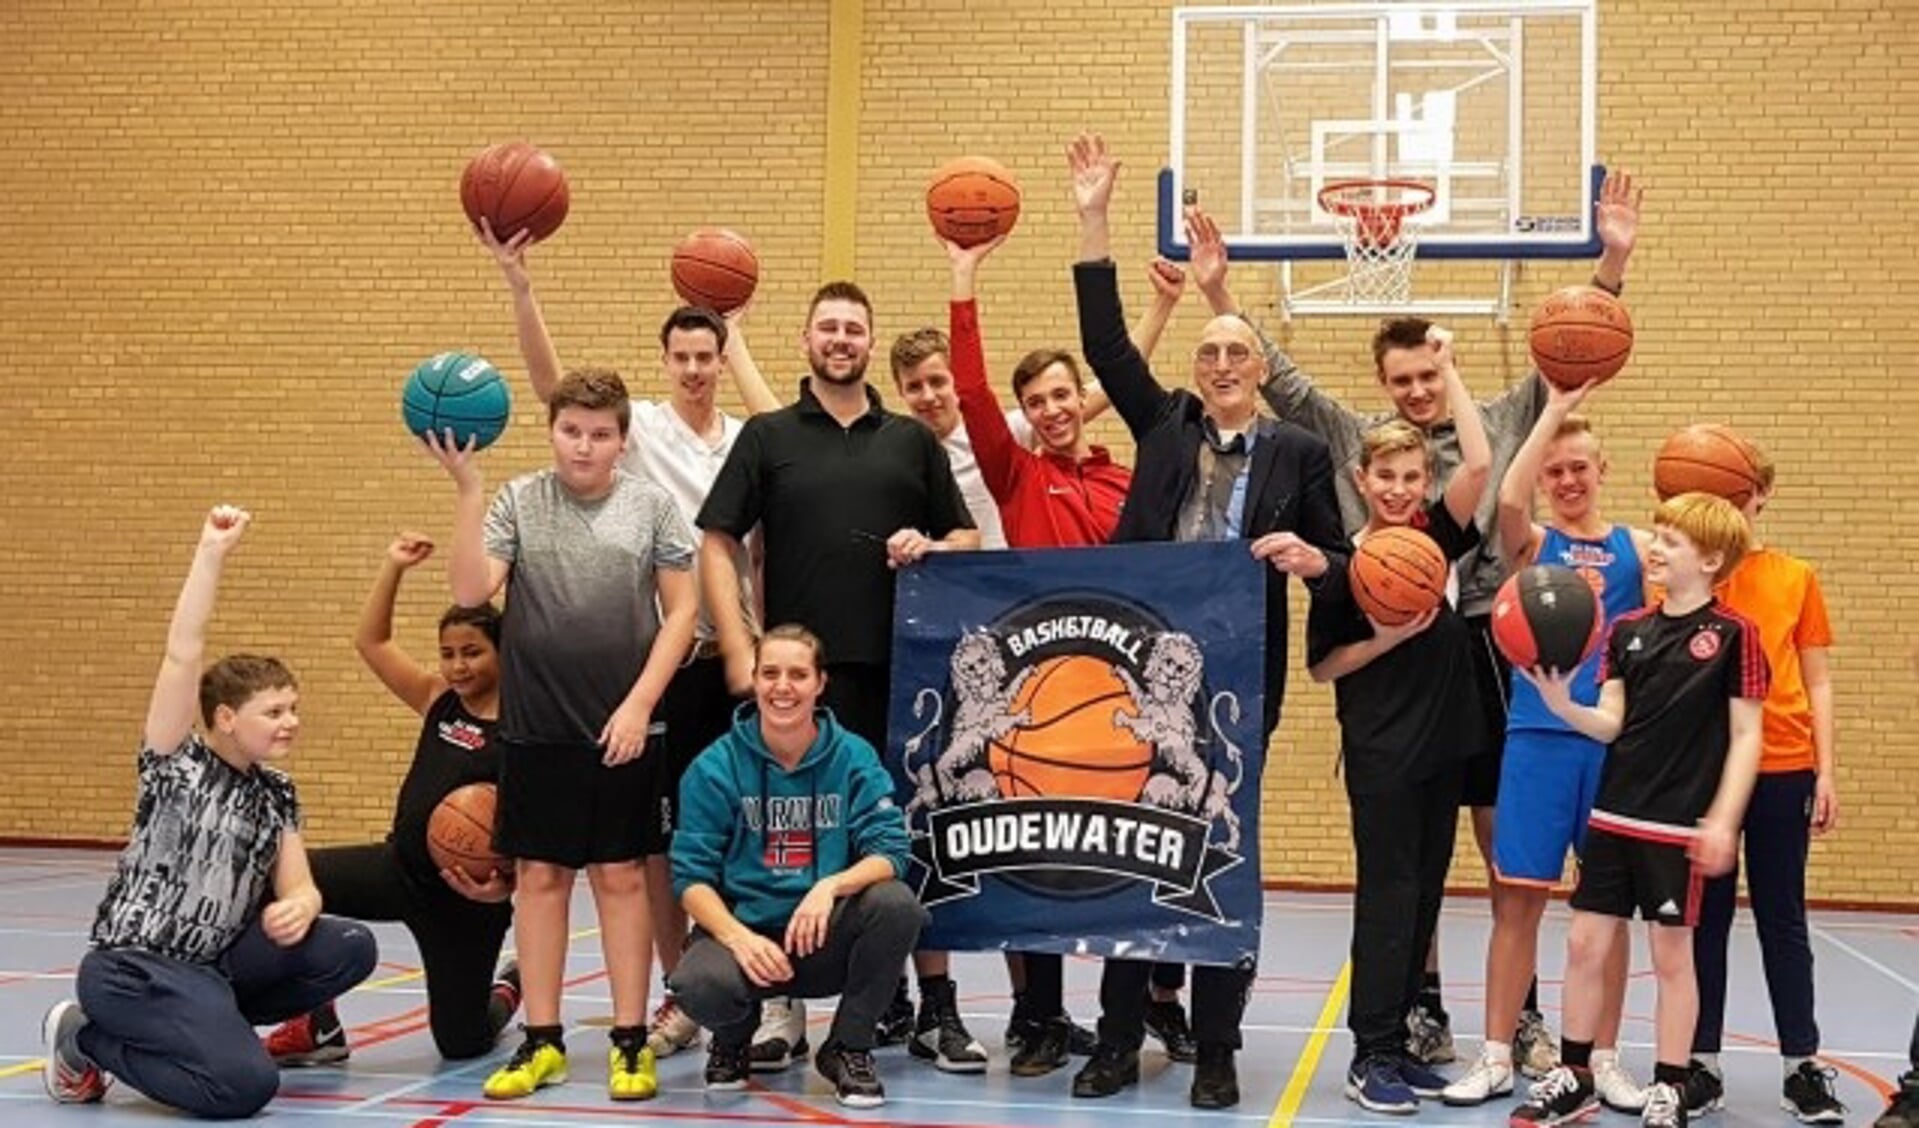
column 1209, row 468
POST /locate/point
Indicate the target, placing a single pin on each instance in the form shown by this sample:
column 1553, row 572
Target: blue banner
column 1075, row 734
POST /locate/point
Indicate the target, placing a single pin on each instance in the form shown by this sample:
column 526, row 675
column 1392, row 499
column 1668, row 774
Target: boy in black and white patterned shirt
column 211, row 924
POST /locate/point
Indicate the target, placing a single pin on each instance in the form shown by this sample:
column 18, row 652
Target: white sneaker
column 671, row 1030
column 1535, row 1050
column 1484, row 1081
column 781, row 1039
column 1617, row 1089
column 1664, row 1108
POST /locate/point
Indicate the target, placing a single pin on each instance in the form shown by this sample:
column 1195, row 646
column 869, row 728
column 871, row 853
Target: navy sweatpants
column 182, row 1033
column 1777, row 837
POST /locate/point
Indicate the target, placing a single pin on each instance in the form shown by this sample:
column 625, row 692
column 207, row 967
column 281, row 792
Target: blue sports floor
column 1290, row 1072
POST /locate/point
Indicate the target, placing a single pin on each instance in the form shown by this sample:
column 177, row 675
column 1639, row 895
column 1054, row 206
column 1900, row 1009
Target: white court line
column 378, row 1099
column 1863, row 958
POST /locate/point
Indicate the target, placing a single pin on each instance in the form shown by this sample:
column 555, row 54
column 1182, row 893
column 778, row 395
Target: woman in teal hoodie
column 787, row 858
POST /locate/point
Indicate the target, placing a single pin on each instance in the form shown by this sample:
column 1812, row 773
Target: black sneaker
column 1020, row 1033
column 896, row 1021
column 1110, row 1070
column 1044, row 1050
column 1704, row 1091
column 856, row 1083
column 1563, row 1095
column 1808, row 1095
column 940, row 1037
column 727, row 1067
column 1081, row 1042
column 1215, row 1079
column 1167, row 1022
column 1903, row 1111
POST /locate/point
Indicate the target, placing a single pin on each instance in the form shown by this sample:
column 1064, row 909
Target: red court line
column 449, row 1112
column 373, row 1033
column 639, row 1111
column 30, row 977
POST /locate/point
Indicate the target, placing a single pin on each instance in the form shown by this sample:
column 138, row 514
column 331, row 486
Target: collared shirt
column 826, row 496
column 1216, row 508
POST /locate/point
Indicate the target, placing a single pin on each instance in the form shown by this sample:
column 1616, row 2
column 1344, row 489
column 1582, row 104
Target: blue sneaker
column 1422, row 1079
column 1374, row 1084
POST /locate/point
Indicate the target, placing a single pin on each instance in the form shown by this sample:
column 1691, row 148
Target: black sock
column 930, row 985
column 1674, row 1075
column 1579, row 1055
column 551, row 1035
column 1532, row 996
column 1021, row 1010
column 1429, row 993
column 627, row 1036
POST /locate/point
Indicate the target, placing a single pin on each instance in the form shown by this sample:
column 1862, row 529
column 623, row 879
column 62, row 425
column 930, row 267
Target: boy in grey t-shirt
column 585, row 550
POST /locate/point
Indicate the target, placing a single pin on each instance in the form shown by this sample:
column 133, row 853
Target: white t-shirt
column 972, row 485
column 664, row 449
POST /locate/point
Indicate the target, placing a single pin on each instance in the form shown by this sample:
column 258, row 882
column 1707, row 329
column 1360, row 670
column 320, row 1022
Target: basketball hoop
column 1380, row 245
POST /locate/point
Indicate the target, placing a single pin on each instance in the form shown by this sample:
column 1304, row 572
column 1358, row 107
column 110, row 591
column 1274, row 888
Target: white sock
column 1500, row 1052
column 1603, row 1058
column 1710, row 1062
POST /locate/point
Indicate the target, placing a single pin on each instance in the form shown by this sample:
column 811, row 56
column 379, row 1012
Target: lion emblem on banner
column 1118, row 719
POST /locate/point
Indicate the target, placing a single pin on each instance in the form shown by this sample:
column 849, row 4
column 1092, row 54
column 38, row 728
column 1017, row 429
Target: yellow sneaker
column 535, row 1065
column 630, row 1075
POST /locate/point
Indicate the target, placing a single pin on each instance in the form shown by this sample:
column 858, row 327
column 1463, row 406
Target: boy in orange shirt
column 1793, row 800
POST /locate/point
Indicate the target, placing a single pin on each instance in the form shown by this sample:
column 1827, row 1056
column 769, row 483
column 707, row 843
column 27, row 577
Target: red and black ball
column 1547, row 616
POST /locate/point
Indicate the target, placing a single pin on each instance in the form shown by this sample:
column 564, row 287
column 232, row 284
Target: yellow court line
column 847, row 28
column 410, row 976
column 18, row 1068
column 1294, row 1094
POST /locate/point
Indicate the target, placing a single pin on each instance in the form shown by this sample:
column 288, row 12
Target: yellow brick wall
column 233, row 230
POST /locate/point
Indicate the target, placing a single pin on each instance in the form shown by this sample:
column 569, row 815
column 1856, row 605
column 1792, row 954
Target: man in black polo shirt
column 1208, row 468
column 844, row 492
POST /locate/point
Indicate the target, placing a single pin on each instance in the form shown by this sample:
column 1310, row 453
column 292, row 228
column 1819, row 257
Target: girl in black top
column 458, row 923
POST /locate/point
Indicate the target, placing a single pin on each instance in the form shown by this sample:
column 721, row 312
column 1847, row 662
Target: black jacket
column 1289, row 487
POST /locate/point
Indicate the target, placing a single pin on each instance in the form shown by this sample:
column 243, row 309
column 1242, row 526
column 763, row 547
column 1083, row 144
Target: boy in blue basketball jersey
column 1550, row 772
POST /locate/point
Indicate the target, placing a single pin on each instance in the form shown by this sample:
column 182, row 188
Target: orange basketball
column 1707, row 458
column 460, row 832
column 1071, row 748
column 1397, row 574
column 1580, row 335
column 972, row 200
column 715, row 268
column 515, row 186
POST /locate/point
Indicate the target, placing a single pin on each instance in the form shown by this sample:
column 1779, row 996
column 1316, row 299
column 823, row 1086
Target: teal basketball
column 456, row 392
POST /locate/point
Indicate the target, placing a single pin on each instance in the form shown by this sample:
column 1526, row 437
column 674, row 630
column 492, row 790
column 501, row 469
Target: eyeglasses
column 1235, row 353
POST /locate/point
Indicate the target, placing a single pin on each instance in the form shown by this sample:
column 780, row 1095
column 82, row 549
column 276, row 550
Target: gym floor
column 1290, row 1072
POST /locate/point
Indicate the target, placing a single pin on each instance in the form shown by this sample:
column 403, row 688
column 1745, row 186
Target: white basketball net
column 1380, row 246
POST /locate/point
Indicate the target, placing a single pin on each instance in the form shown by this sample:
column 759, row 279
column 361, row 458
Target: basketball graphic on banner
column 1072, row 745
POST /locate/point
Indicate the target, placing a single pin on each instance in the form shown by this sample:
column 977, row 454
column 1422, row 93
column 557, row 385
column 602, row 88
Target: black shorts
column 1492, row 677
column 697, row 710
column 560, row 804
column 1621, row 877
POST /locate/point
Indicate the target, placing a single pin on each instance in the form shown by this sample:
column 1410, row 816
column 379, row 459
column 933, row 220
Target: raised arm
column 176, row 688
column 1121, row 370
column 1519, row 534
column 995, row 447
column 474, row 575
column 755, row 392
column 1601, row 721
column 412, row 683
column 1169, row 285
column 529, row 325
column 1468, row 483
